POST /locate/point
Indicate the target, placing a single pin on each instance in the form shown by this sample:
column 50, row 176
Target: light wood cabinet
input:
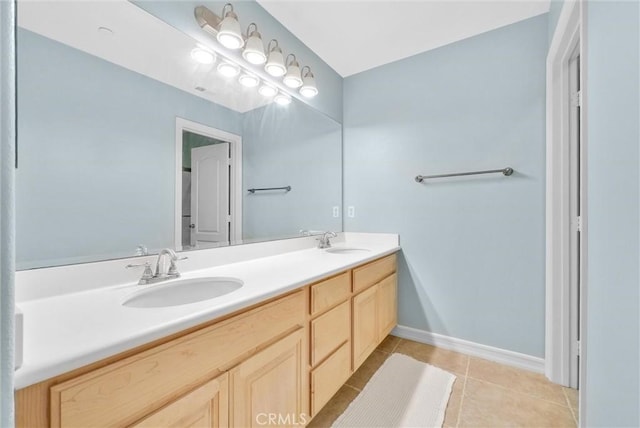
column 274, row 364
column 365, row 327
column 146, row 381
column 204, row 407
column 387, row 305
column 329, row 376
column 270, row 386
column 374, row 306
column 329, row 331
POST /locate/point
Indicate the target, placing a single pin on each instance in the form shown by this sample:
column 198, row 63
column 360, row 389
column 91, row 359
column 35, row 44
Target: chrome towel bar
column 287, row 188
column 505, row 171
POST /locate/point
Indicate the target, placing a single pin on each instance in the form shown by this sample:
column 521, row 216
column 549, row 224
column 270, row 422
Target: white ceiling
column 356, row 35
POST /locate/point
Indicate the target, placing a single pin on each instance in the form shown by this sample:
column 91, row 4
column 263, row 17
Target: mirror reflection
column 127, row 145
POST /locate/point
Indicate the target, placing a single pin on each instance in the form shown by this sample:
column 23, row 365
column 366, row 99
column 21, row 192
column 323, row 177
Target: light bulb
column 282, row 99
column 227, row 69
column 202, row 56
column 249, row 80
column 267, row 90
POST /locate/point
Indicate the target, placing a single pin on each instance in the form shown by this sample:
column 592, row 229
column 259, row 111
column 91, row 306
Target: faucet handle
column 147, row 274
column 173, row 270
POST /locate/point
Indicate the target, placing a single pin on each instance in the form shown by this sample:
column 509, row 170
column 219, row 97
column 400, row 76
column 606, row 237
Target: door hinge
column 578, row 348
column 576, row 99
column 228, row 219
column 579, row 223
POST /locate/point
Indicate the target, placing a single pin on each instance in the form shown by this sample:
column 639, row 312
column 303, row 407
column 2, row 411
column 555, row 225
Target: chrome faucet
column 149, row 277
column 323, row 241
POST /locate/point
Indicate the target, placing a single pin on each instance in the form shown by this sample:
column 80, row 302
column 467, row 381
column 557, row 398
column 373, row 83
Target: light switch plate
column 336, row 211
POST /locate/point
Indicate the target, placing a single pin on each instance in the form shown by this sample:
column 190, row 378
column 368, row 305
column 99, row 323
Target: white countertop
column 68, row 331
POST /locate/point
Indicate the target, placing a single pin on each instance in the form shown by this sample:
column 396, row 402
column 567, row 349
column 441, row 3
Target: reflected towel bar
column 505, row 171
column 287, row 188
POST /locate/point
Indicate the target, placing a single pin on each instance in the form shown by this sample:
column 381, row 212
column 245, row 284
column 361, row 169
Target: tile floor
column 485, row 394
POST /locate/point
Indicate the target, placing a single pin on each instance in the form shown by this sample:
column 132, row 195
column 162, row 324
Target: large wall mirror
column 126, row 145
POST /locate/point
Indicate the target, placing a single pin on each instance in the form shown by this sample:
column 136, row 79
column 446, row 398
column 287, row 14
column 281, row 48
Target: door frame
column 558, row 344
column 235, row 180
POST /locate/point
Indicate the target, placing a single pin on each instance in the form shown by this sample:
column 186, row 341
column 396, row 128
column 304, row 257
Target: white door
column 210, row 194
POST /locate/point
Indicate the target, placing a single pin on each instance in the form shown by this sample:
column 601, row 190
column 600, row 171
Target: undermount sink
column 181, row 292
column 346, row 250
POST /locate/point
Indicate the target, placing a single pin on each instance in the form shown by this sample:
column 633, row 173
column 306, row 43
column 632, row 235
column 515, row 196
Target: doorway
column 566, row 242
column 208, row 203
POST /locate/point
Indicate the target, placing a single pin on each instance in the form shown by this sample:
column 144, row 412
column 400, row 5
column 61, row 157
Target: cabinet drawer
column 368, row 275
column 329, row 376
column 206, row 406
column 328, row 293
column 328, row 331
column 125, row 391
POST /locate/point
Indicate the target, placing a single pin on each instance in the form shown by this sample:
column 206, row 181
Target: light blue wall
column 555, row 6
column 293, row 146
column 92, row 133
column 473, row 248
column 179, row 14
column 613, row 283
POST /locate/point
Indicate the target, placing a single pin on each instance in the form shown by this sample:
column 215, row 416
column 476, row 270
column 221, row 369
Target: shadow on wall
column 417, row 309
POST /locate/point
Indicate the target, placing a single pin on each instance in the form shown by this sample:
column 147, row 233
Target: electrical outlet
column 351, row 211
column 336, row 212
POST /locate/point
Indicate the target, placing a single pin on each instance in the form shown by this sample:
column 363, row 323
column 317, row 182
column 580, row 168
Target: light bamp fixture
column 227, row 69
column 282, row 99
column 308, row 88
column 292, row 79
column 267, row 90
column 203, row 56
column 248, row 80
column 275, row 60
column 254, row 49
column 229, row 32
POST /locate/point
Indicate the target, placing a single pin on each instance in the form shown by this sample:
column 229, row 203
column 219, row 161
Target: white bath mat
column 403, row 392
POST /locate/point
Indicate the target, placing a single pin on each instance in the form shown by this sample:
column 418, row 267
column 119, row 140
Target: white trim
column 235, row 182
column 584, row 221
column 558, row 221
column 498, row 355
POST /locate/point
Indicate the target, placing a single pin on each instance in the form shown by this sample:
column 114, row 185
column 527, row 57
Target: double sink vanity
column 289, row 327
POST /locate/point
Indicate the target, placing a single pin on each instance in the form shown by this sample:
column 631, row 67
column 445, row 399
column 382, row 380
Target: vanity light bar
column 226, row 29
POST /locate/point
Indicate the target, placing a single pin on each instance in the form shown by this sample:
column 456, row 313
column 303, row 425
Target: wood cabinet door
column 271, row 388
column 387, row 305
column 205, row 407
column 365, row 325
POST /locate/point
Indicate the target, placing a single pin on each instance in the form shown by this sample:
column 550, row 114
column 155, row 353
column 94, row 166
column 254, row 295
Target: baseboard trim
column 502, row 356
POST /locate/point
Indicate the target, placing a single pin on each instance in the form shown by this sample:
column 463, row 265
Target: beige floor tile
column 489, row 405
column 453, row 407
column 518, row 380
column 572, row 399
column 360, row 378
column 334, row 408
column 447, row 360
column 572, row 396
column 389, row 344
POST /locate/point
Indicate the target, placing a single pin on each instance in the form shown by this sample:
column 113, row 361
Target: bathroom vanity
column 276, row 360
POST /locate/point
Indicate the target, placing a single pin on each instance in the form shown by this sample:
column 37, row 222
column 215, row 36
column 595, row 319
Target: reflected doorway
column 208, row 181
